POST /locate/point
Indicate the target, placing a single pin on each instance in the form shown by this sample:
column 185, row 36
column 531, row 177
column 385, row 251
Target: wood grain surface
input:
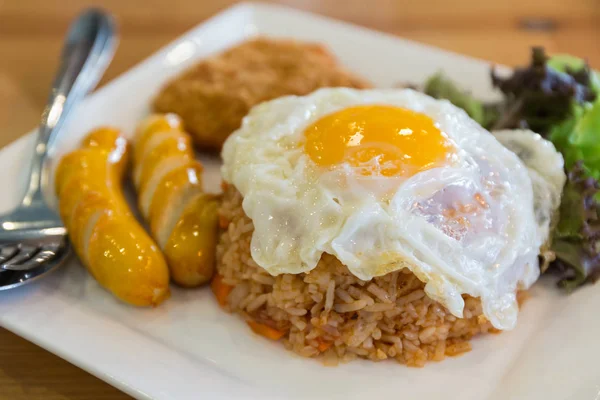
column 31, row 33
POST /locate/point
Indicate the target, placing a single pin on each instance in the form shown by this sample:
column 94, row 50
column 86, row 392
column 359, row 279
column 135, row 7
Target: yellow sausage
column 182, row 218
column 108, row 239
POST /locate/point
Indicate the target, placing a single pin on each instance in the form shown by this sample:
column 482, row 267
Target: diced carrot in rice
column 323, row 345
column 223, row 222
column 266, row 330
column 220, row 289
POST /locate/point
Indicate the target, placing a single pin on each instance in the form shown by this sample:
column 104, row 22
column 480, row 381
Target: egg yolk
column 378, row 140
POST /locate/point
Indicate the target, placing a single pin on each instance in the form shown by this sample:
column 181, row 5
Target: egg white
column 546, row 170
column 375, row 225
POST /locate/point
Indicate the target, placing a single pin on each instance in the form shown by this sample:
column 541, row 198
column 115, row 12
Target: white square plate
column 189, row 349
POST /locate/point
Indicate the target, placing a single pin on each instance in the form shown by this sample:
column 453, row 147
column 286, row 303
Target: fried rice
column 330, row 314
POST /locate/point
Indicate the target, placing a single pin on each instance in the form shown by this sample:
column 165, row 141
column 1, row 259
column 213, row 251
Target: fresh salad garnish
column 576, row 241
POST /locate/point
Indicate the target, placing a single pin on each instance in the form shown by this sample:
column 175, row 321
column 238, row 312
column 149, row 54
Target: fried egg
column 385, row 180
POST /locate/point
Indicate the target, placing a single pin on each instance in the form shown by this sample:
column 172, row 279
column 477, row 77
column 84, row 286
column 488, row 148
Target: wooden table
column 31, row 33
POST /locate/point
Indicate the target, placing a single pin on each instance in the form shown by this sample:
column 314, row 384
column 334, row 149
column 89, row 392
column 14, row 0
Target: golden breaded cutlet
column 214, row 95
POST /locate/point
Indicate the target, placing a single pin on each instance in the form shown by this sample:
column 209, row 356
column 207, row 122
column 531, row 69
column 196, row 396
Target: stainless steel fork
column 33, row 239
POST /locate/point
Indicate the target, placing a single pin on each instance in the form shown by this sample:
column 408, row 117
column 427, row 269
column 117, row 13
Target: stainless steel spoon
column 33, row 240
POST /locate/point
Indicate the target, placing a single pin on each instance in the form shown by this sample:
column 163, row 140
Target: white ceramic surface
column 189, row 349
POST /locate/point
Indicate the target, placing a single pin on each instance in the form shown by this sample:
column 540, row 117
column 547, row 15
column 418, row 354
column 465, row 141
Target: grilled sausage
column 108, row 239
column 182, row 218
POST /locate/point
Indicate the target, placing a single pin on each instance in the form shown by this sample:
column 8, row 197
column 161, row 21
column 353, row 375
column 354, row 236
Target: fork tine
column 34, row 262
column 32, row 258
column 8, row 252
column 24, row 253
column 43, row 256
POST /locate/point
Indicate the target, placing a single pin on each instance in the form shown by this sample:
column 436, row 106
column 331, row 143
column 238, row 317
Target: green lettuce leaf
column 576, row 240
column 540, row 96
column 567, row 63
column 440, row 87
column 578, row 137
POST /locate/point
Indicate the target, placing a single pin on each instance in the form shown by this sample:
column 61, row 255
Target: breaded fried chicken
column 213, row 96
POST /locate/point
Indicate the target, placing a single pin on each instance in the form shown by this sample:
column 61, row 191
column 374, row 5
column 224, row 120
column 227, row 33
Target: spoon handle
column 88, row 49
